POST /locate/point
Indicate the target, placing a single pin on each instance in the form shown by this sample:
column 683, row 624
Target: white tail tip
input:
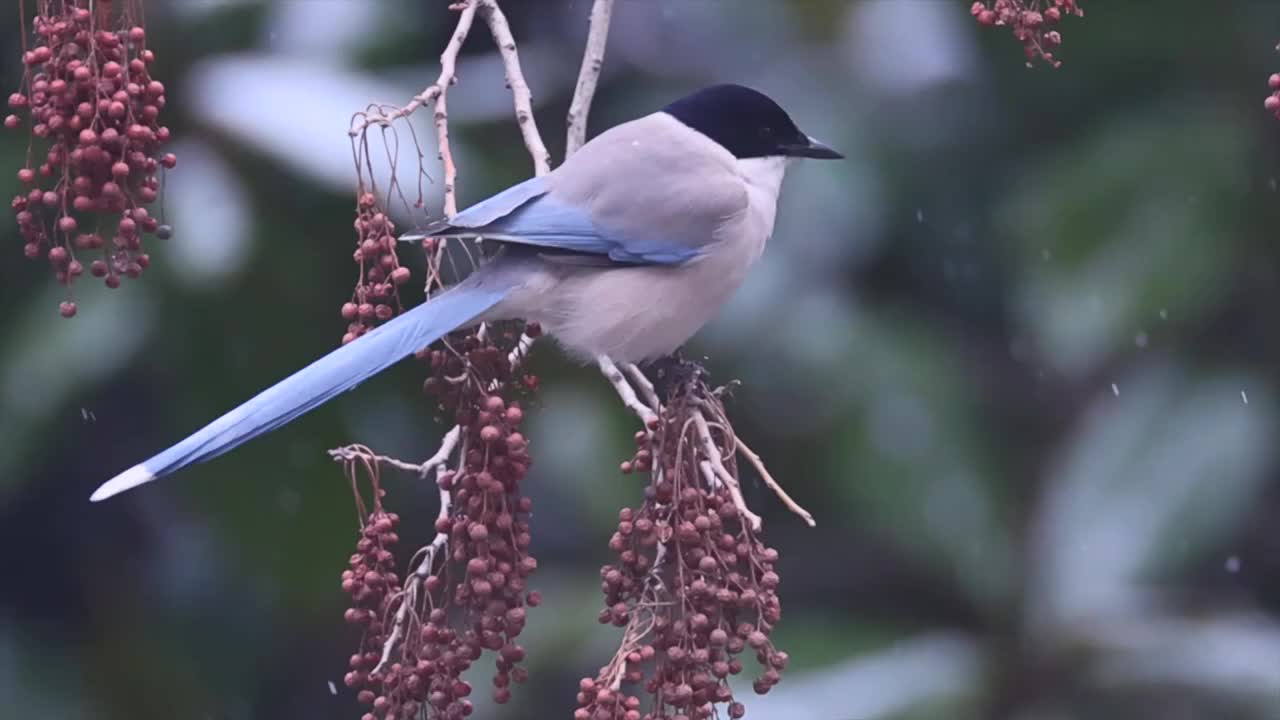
column 127, row 480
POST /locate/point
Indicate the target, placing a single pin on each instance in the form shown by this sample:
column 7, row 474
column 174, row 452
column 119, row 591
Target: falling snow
column 1233, row 564
column 1115, row 389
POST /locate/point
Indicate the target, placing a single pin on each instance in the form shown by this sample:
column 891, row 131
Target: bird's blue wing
column 529, row 214
column 548, row 222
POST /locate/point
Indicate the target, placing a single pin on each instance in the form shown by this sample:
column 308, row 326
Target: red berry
column 67, row 308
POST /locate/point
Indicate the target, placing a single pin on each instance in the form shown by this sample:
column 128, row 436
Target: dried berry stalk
column 1032, row 21
column 92, row 109
column 693, row 586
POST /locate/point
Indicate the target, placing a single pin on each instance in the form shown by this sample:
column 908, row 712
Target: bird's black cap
column 746, row 122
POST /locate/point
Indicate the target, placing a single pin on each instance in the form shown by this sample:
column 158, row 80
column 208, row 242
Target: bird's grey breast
column 654, row 182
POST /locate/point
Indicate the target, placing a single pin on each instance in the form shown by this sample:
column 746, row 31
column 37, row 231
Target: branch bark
column 588, row 75
column 520, row 93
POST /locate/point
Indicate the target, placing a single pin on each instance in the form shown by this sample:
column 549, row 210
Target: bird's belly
column 630, row 313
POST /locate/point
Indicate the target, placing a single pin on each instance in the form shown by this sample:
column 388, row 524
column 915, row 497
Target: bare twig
column 646, row 387
column 448, row 61
column 717, row 469
column 447, row 444
column 523, row 98
column 588, row 75
column 758, row 464
column 611, row 373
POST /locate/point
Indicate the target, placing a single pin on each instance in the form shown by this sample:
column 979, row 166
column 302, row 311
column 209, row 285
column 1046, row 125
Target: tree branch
column 647, row 415
column 588, row 75
column 521, row 95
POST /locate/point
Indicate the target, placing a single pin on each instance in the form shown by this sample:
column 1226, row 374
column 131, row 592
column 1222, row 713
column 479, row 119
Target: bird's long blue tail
column 318, row 382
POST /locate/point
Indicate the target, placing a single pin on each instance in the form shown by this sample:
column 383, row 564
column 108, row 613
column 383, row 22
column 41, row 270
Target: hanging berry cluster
column 1032, row 21
column 88, row 96
column 376, row 297
column 692, row 586
column 421, row 637
column 1272, row 103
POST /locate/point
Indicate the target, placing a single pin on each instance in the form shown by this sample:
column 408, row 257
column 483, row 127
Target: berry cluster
column 1032, row 22
column 372, row 583
column 1272, row 103
column 476, row 599
column 88, row 93
column 693, row 587
column 376, row 298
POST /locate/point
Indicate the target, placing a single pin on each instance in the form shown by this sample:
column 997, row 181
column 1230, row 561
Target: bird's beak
column 811, row 149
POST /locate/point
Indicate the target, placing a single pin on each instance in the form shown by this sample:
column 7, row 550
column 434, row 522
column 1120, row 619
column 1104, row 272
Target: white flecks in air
column 1115, row 389
column 1233, row 564
column 1141, row 340
column 1244, row 396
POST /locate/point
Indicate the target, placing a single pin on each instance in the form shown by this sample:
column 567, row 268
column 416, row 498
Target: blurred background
column 1018, row 352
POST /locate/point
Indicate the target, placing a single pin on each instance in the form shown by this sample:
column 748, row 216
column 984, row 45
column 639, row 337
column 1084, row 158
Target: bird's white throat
column 764, row 174
column 763, row 178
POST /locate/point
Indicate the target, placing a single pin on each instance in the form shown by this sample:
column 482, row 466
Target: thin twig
column 646, row 387
column 521, row 95
column 626, row 392
column 718, row 470
column 448, row 61
column 437, row 92
column 758, row 464
column 588, row 75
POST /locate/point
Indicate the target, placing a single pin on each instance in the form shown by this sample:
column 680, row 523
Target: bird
column 621, row 254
